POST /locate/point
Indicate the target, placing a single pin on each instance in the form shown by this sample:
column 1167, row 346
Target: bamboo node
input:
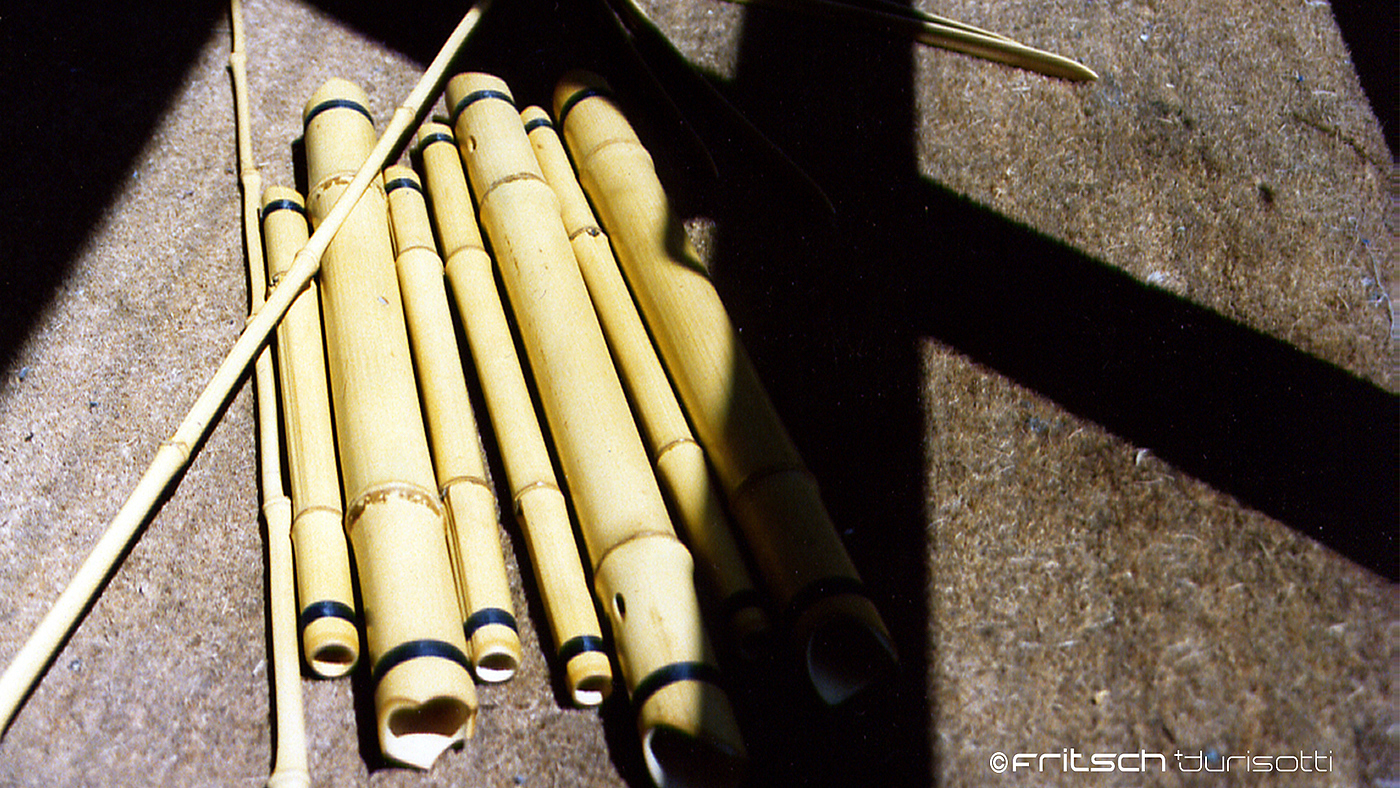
column 384, row 492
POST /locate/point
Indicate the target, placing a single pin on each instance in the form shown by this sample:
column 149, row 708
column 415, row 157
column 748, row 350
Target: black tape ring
column 337, row 104
column 486, row 617
column 325, row 609
column 478, row 95
column 580, row 96
column 414, row 649
column 671, row 674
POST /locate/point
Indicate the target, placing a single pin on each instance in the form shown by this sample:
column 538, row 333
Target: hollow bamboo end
column 424, row 706
column 846, row 646
column 331, row 647
column 496, row 653
column 690, row 738
column 590, row 678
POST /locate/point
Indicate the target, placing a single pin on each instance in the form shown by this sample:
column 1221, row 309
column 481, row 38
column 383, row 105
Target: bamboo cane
column 677, row 458
column 424, row 697
column 773, row 497
column 643, row 574
column 289, row 763
column 174, row 455
column 474, row 537
column 538, row 502
column 329, row 635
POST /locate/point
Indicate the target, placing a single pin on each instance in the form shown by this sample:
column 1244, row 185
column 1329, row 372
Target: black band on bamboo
column 537, row 123
column 283, row 205
column 403, row 183
column 337, row 104
column 478, row 95
column 580, row 96
column 435, row 137
column 670, row 674
column 486, row 617
column 820, row 589
column 414, row 649
column 325, row 609
column 578, row 645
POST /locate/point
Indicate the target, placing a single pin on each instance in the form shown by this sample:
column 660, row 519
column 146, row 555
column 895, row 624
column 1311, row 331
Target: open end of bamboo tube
column 689, row 739
column 590, row 679
column 331, row 647
column 495, row 652
column 413, row 729
column 845, row 647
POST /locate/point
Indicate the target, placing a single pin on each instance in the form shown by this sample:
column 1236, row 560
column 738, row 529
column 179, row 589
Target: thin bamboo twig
column 174, row 455
column 289, row 764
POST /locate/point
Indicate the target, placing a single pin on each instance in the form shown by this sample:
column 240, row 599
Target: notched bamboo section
column 772, row 496
column 474, row 538
column 330, row 637
column 643, row 574
column 537, row 500
column 424, row 697
column 677, row 458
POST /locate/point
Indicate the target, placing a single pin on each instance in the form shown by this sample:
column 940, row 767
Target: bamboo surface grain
column 1097, row 381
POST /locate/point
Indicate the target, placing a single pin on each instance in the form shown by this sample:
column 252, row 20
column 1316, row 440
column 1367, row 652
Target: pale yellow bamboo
column 539, row 503
column 474, row 535
column 677, row 458
column 773, row 497
column 330, row 638
column 174, row 455
column 424, row 697
column 643, row 574
column 289, row 763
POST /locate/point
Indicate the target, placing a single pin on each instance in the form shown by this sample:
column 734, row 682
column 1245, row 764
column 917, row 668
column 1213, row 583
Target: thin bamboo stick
column 174, row 455
column 290, row 762
column 538, row 502
column 424, row 697
column 643, row 574
column 474, row 538
column 677, row 458
column 329, row 635
column 773, row 497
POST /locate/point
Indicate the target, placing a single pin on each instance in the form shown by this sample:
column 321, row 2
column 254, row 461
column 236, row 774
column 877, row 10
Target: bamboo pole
column 424, row 697
column 329, row 635
column 289, row 763
column 643, row 574
column 677, row 458
column 773, row 497
column 538, row 501
column 174, row 455
column 474, row 538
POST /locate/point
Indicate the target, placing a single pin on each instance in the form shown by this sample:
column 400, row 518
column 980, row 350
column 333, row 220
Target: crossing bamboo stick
column 643, row 574
column 474, row 536
column 424, row 697
column 174, row 455
column 537, row 500
column 772, row 495
column 329, row 634
column 677, row 458
column 289, row 762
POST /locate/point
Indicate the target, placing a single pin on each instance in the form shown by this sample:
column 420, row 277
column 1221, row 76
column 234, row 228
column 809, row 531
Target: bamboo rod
column 174, row 455
column 329, row 634
column 773, row 497
column 474, row 538
column 677, row 458
column 289, row 763
column 424, row 697
column 643, row 574
column 538, row 501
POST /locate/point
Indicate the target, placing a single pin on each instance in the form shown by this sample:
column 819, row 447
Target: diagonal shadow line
column 84, row 88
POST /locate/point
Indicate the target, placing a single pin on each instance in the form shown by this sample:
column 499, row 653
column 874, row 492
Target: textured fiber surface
column 1098, row 381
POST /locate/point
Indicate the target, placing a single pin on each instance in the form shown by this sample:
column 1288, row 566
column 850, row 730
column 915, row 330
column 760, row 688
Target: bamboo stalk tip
column 533, row 114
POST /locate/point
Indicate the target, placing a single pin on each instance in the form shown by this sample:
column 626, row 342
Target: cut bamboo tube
column 643, row 574
column 773, row 497
column 289, row 761
column 677, row 458
column 538, row 502
column 174, row 455
column 424, row 697
column 329, row 633
column 474, row 537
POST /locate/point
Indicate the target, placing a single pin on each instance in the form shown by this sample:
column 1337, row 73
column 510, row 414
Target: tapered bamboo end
column 690, row 738
column 424, row 706
column 845, row 645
